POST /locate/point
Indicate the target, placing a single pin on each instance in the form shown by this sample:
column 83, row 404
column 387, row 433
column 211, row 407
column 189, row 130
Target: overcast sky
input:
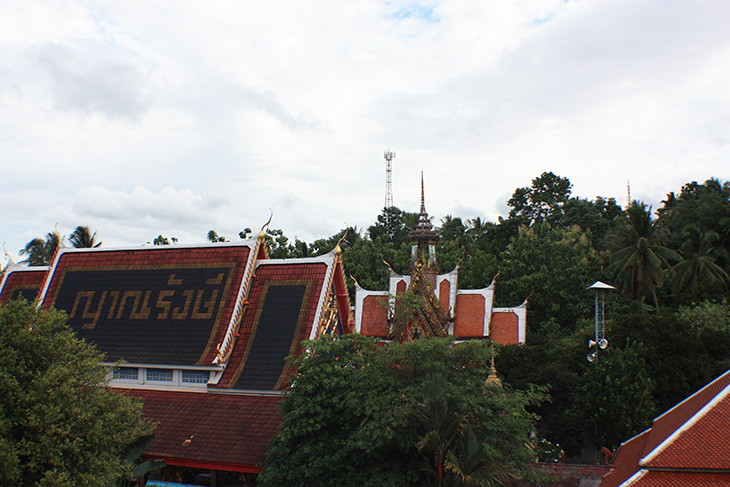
column 140, row 118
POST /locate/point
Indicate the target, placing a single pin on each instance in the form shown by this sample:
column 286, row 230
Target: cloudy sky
column 141, row 118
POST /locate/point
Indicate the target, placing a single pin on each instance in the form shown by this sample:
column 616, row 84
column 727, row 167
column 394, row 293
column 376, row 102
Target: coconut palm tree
column 82, row 238
column 639, row 257
column 701, row 250
column 441, row 423
column 41, row 251
column 470, row 464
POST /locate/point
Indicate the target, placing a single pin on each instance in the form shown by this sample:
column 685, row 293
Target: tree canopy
column 60, row 424
column 418, row 413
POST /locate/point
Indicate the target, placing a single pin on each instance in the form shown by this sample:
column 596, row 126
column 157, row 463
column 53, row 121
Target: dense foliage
column 59, row 423
column 418, row 413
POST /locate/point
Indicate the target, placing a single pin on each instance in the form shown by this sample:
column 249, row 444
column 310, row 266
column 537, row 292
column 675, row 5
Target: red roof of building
column 225, row 307
column 282, row 304
column 653, row 478
column 225, row 431
column 21, row 282
column 689, row 443
column 150, row 305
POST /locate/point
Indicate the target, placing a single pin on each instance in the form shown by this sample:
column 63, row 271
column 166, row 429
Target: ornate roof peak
column 424, row 228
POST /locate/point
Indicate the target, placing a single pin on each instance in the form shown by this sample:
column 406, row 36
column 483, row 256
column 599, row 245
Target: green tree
column 615, row 398
column 542, row 201
column 347, row 238
column 278, row 244
column 60, row 424
column 551, row 266
column 213, row 237
column 699, row 270
column 599, row 217
column 357, row 414
column 639, row 256
column 393, row 225
column 706, row 205
column 40, row 251
column 706, row 315
column 678, row 360
column 160, row 240
column 82, row 238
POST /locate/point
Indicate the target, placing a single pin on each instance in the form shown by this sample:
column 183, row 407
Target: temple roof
column 692, row 437
column 228, row 431
column 21, row 282
column 151, row 305
column 282, row 310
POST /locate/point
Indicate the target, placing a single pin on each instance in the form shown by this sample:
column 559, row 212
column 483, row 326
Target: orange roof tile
column 692, row 437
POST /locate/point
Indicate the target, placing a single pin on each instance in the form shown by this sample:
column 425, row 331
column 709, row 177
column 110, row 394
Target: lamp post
column 599, row 339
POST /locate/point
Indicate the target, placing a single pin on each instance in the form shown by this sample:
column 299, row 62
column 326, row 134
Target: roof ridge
column 637, row 476
column 327, row 258
column 717, row 398
column 697, row 392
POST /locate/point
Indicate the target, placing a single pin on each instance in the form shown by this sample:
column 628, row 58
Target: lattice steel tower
column 389, row 178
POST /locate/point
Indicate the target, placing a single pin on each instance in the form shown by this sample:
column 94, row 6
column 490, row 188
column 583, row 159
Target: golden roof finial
column 338, row 249
column 262, row 234
column 356, row 283
column 10, row 259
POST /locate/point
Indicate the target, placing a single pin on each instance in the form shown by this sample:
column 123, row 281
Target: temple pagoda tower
column 425, row 303
column 430, row 318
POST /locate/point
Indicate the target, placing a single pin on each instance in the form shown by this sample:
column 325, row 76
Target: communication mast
column 389, row 178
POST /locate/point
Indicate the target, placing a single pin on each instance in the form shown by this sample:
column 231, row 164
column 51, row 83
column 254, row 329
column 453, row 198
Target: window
column 164, row 375
column 126, row 373
column 195, row 376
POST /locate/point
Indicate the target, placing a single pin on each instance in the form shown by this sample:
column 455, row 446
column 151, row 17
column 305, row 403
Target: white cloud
column 86, row 77
column 141, row 118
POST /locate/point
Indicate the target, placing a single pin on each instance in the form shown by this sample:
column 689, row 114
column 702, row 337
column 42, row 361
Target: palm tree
column 213, row 237
column 478, row 232
column 698, row 269
column 41, row 251
column 639, row 257
column 471, row 466
column 82, row 238
column 452, row 228
column 441, row 424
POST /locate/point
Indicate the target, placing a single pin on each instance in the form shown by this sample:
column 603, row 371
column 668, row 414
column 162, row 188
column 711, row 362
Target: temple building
column 443, row 309
column 201, row 333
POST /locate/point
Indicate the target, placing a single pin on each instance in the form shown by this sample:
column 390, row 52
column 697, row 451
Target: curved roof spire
column 423, row 199
column 424, row 229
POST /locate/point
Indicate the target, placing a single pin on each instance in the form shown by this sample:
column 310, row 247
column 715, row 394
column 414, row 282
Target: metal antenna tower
column 389, row 178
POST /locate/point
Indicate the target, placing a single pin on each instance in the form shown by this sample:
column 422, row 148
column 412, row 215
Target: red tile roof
column 670, row 421
column 682, row 479
column 282, row 306
column 23, row 282
column 156, row 305
column 225, row 430
column 692, row 436
column 626, row 460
